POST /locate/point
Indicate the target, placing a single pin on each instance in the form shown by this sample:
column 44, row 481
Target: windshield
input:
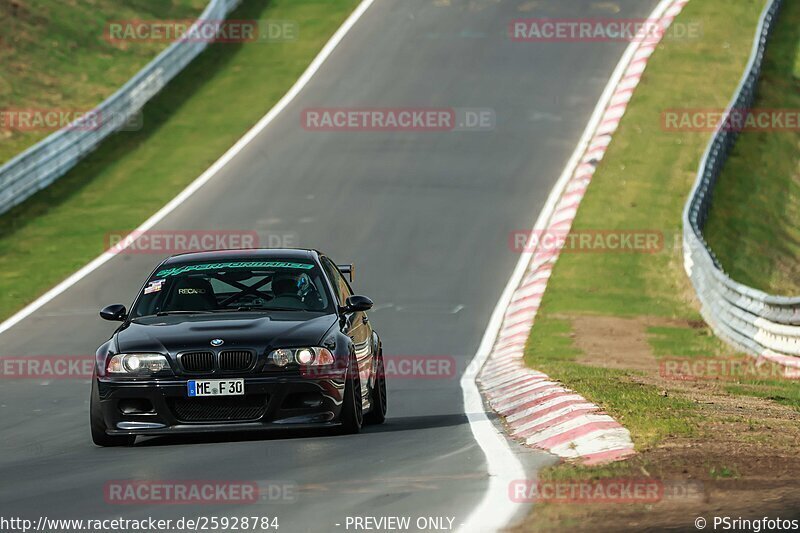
column 219, row 287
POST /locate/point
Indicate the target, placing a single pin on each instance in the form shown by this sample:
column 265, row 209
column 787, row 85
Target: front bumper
column 162, row 406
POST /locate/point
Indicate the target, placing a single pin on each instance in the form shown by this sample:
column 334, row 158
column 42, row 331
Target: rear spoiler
column 350, row 270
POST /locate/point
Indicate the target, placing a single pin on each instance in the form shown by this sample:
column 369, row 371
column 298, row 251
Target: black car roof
column 247, row 255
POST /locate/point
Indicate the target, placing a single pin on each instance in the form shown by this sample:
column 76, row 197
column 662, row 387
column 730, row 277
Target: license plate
column 215, row 387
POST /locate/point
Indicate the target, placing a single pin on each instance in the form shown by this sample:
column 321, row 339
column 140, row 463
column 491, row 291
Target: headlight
column 305, row 356
column 281, row 357
column 311, row 356
column 137, row 364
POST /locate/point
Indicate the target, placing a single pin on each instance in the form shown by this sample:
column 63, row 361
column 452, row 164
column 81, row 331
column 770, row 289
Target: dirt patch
column 614, row 342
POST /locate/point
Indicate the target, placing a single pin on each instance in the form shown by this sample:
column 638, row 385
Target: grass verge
column 752, row 226
column 210, row 105
column 614, row 326
column 53, row 55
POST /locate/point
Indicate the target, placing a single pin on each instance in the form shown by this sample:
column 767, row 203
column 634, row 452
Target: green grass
column 53, row 55
column 780, row 391
column 753, row 222
column 689, row 342
column 643, row 183
column 187, row 127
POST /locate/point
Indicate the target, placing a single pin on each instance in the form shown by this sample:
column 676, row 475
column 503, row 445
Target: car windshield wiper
column 165, row 313
column 258, row 309
column 238, row 309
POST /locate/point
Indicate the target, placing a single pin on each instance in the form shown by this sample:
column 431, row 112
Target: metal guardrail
column 753, row 321
column 43, row 163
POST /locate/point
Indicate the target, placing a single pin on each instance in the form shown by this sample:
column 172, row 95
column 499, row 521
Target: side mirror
column 357, row 303
column 116, row 312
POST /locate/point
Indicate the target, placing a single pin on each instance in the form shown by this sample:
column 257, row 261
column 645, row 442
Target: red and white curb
column 541, row 412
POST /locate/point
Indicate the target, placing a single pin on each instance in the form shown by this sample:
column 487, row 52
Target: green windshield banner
column 224, row 266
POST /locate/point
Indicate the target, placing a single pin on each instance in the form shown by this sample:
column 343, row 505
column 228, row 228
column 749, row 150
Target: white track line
column 193, row 187
column 496, row 510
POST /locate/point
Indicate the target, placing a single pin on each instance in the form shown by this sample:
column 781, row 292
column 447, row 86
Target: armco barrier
column 43, row 163
column 763, row 325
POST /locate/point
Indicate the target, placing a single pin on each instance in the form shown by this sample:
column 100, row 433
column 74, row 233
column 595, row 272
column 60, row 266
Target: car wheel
column 377, row 413
column 98, row 426
column 352, row 416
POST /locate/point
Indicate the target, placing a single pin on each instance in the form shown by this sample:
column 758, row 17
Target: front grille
column 239, row 409
column 198, row 361
column 235, row 360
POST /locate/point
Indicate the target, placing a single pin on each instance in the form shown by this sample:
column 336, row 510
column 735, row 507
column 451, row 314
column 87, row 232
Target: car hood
column 177, row 333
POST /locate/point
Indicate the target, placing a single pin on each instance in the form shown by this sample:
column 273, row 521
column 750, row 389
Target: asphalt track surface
column 425, row 216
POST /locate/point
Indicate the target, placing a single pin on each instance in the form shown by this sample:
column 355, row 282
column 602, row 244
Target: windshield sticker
column 154, row 286
column 224, row 266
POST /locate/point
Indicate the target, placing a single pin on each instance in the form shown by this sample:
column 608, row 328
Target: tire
column 352, row 417
column 378, row 403
column 98, row 425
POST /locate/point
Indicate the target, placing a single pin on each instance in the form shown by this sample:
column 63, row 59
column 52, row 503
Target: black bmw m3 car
column 239, row 340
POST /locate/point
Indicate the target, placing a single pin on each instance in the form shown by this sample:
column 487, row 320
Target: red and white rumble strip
column 541, row 412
